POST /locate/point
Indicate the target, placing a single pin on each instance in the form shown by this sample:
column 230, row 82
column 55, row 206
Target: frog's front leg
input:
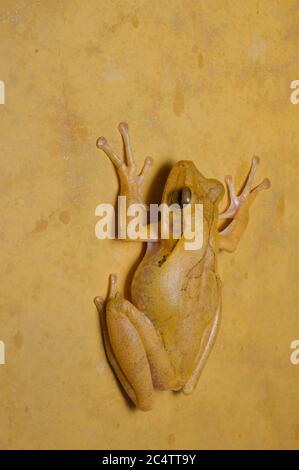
column 134, row 349
column 238, row 210
column 130, row 180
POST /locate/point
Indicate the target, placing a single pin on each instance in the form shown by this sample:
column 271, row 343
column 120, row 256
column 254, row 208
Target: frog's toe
column 233, row 198
column 112, row 286
column 123, row 127
column 148, row 162
column 265, row 184
column 124, row 132
column 103, row 144
column 248, row 188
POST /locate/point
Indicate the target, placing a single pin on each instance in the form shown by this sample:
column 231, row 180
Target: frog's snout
column 185, row 164
column 181, row 182
column 184, row 171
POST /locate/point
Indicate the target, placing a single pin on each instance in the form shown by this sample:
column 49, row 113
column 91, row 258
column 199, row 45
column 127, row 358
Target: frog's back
column 180, row 295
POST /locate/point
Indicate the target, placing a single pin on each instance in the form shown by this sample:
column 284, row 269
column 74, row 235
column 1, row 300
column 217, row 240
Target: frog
column 161, row 338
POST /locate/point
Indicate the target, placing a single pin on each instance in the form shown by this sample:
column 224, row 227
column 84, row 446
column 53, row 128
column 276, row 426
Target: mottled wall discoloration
column 202, row 80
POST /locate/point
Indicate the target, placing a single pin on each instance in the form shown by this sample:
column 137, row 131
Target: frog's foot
column 134, row 349
column 238, row 210
column 247, row 193
column 130, row 180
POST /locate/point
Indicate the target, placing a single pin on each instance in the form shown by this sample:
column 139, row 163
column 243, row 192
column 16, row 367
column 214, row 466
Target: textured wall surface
column 202, row 80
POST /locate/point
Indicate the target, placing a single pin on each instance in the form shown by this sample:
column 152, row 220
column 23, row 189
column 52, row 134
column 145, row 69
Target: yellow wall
column 203, row 80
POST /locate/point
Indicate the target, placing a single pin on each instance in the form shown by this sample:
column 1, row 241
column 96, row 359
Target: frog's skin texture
column 162, row 339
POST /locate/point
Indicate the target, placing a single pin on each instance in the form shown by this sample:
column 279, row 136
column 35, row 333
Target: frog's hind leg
column 206, row 346
column 238, row 211
column 135, row 350
column 99, row 302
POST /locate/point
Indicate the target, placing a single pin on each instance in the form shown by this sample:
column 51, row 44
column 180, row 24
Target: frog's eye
column 185, row 196
column 181, row 197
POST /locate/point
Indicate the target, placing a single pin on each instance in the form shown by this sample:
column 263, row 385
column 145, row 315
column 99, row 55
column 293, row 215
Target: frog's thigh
column 207, row 343
column 125, row 321
column 128, row 358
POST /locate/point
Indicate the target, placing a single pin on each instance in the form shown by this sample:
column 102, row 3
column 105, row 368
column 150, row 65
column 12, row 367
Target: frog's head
column 185, row 185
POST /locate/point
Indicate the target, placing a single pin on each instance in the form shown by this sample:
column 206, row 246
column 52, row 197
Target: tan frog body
column 163, row 338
